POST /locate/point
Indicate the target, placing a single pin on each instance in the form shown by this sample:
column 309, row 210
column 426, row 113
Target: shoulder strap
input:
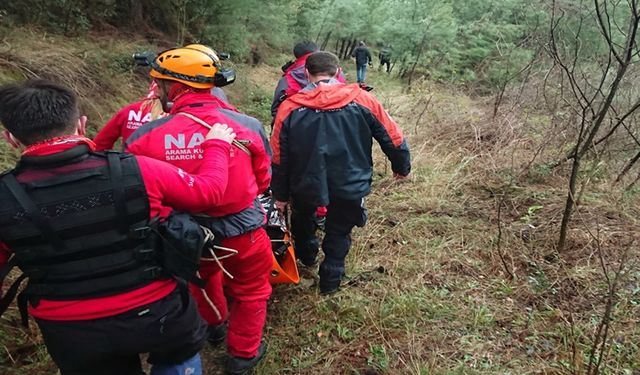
column 200, row 121
column 119, row 200
column 4, row 271
column 32, row 210
column 6, row 300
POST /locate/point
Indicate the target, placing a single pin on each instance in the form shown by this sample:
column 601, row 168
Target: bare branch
column 622, row 69
column 628, row 167
column 606, row 31
column 619, row 122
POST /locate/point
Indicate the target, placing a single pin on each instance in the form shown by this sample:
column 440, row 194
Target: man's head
column 322, row 65
column 189, row 68
column 37, row 110
column 361, row 43
column 304, row 47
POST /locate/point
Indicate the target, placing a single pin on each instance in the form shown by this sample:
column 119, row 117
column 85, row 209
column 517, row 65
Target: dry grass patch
column 429, row 290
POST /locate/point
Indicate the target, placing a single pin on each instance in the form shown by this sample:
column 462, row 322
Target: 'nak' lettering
column 180, row 141
column 137, row 116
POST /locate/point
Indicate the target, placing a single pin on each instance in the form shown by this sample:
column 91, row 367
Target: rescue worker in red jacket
column 294, row 78
column 77, row 224
column 185, row 76
column 321, row 144
column 131, row 117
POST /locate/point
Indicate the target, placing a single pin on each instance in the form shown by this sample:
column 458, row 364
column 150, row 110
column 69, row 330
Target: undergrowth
column 453, row 273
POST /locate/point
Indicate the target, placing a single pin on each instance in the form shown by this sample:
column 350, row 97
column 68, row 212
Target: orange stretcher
column 285, row 269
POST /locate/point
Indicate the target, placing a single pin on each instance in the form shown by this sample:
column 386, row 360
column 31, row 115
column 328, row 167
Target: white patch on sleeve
column 186, row 177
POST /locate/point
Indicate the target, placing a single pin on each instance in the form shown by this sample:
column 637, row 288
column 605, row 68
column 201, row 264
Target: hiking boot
column 217, row 333
column 308, row 263
column 329, row 291
column 365, row 87
column 242, row 366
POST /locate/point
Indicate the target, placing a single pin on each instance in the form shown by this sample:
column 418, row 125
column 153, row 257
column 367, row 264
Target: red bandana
column 58, row 144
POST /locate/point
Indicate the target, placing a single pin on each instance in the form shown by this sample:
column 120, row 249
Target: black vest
column 78, row 224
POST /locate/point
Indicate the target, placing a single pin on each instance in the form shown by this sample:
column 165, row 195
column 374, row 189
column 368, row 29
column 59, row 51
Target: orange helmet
column 205, row 49
column 194, row 65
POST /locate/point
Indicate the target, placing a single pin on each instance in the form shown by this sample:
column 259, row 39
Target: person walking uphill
column 385, row 58
column 132, row 116
column 77, row 223
column 294, row 77
column 322, row 143
column 185, row 76
column 129, row 119
column 363, row 58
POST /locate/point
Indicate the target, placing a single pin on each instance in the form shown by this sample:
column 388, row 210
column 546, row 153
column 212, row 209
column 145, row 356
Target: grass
column 426, row 291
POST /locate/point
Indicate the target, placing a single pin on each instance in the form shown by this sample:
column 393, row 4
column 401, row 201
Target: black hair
column 322, row 63
column 303, row 47
column 36, row 110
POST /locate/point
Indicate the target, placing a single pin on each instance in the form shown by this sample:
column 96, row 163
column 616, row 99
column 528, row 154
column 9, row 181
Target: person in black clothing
column 363, row 58
column 321, row 142
column 385, row 58
column 81, row 225
column 293, row 78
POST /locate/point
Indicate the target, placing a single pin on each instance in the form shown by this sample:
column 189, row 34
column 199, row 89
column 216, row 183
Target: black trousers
column 387, row 63
column 342, row 216
column 170, row 329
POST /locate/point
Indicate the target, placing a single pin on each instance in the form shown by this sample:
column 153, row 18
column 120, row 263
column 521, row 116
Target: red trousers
column 249, row 290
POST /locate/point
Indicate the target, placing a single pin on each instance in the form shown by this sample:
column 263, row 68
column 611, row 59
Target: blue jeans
column 192, row 366
column 361, row 72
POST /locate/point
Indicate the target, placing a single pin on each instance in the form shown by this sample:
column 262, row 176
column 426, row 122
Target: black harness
column 78, row 225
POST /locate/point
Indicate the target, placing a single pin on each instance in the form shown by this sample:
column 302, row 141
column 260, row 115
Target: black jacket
column 322, row 143
column 362, row 55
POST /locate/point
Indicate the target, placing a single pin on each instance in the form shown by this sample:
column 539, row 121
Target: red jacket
column 123, row 124
column 293, row 80
column 168, row 188
column 177, row 139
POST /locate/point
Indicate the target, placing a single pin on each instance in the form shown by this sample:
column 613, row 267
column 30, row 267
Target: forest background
column 514, row 247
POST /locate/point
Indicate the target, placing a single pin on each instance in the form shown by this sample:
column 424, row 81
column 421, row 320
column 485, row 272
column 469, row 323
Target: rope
column 231, row 252
column 235, row 142
column 209, row 301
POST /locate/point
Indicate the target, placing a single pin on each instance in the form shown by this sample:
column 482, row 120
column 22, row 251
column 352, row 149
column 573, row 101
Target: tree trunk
column 343, row 45
column 326, row 40
column 402, row 66
column 347, row 47
column 137, row 13
column 324, row 20
column 415, row 63
column 568, row 208
column 499, row 97
column 354, row 42
column 628, row 167
column 67, row 18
